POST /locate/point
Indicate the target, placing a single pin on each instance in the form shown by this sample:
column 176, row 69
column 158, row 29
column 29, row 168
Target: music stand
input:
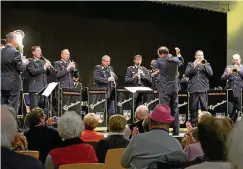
column 46, row 92
column 135, row 91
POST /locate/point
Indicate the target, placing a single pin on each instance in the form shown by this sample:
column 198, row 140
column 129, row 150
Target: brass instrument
column 203, row 61
column 234, row 69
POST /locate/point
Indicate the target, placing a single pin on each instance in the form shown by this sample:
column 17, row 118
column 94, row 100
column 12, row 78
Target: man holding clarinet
column 38, row 70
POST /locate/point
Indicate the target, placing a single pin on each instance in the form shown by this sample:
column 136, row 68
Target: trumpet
column 234, row 69
column 203, row 61
column 48, row 61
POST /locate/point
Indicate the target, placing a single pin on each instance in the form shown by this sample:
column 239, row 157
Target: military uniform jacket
column 154, row 79
column 37, row 75
column 168, row 68
column 234, row 82
column 65, row 77
column 11, row 68
column 198, row 77
column 133, row 82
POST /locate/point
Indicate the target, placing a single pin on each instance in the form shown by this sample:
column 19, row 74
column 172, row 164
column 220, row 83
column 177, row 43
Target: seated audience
column 9, row 158
column 90, row 123
column 74, row 149
column 145, row 148
column 203, row 115
column 41, row 137
column 115, row 139
column 194, row 149
column 19, row 143
column 235, row 146
column 140, row 113
column 145, row 124
column 213, row 134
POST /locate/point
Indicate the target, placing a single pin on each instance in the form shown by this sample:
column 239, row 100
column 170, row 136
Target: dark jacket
column 198, row 77
column 11, row 68
column 42, row 139
column 13, row 160
column 234, row 82
column 134, row 82
column 154, row 79
column 110, row 142
column 176, row 159
column 65, row 77
column 168, row 68
column 37, row 75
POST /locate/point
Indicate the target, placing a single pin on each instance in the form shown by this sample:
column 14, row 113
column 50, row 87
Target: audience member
column 11, row 159
column 3, row 43
column 146, row 147
column 140, row 113
column 90, row 123
column 194, row 149
column 74, row 149
column 19, row 143
column 203, row 115
column 115, row 139
column 235, row 146
column 213, row 134
column 41, row 137
column 145, row 124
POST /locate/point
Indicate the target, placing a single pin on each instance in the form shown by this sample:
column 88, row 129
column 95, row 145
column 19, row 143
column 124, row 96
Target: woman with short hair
column 91, row 121
column 74, row 149
column 115, row 139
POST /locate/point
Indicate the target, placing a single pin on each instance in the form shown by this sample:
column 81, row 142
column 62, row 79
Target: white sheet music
column 135, row 89
column 49, row 89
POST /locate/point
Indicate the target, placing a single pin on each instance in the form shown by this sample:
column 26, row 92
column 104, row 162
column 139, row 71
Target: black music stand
column 134, row 92
column 217, row 102
column 183, row 105
column 71, row 100
column 97, row 101
column 46, row 92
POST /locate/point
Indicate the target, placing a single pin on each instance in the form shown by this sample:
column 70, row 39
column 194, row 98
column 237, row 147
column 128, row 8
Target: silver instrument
column 49, row 62
column 113, row 84
column 139, row 74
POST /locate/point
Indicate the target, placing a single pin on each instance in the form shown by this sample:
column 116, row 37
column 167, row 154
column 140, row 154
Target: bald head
column 8, row 126
column 65, row 55
column 106, row 60
column 141, row 112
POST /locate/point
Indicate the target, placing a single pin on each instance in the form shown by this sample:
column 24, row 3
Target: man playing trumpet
column 198, row 73
column 233, row 74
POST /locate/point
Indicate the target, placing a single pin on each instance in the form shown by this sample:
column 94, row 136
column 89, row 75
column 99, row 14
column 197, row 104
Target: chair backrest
column 83, row 166
column 34, row 154
column 112, row 159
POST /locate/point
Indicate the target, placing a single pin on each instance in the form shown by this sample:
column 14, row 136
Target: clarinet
column 48, row 61
column 113, row 84
column 139, row 75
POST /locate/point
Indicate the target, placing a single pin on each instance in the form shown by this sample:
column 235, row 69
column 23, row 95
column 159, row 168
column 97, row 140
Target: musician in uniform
column 11, row 67
column 198, row 73
column 234, row 76
column 138, row 75
column 104, row 77
column 168, row 81
column 66, row 70
column 38, row 70
column 154, row 73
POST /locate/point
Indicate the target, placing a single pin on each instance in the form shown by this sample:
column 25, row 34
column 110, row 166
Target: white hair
column 70, row 125
column 141, row 112
column 236, row 56
column 235, row 146
column 8, row 126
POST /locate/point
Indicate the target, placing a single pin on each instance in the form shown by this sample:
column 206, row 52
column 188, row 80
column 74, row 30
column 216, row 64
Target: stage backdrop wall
column 119, row 29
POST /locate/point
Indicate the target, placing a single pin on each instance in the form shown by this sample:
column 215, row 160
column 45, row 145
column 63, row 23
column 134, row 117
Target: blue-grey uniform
column 101, row 75
column 37, row 80
column 235, row 82
column 198, row 84
column 168, row 85
column 132, row 81
column 154, row 79
column 65, row 77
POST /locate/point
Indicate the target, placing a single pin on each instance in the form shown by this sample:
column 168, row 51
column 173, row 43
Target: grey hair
column 8, row 126
column 235, row 146
column 141, row 111
column 70, row 125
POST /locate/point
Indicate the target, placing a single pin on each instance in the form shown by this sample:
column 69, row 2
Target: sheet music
column 135, row 89
column 49, row 89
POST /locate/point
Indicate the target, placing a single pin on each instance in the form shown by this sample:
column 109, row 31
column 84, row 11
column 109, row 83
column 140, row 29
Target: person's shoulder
column 98, row 67
column 58, row 62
